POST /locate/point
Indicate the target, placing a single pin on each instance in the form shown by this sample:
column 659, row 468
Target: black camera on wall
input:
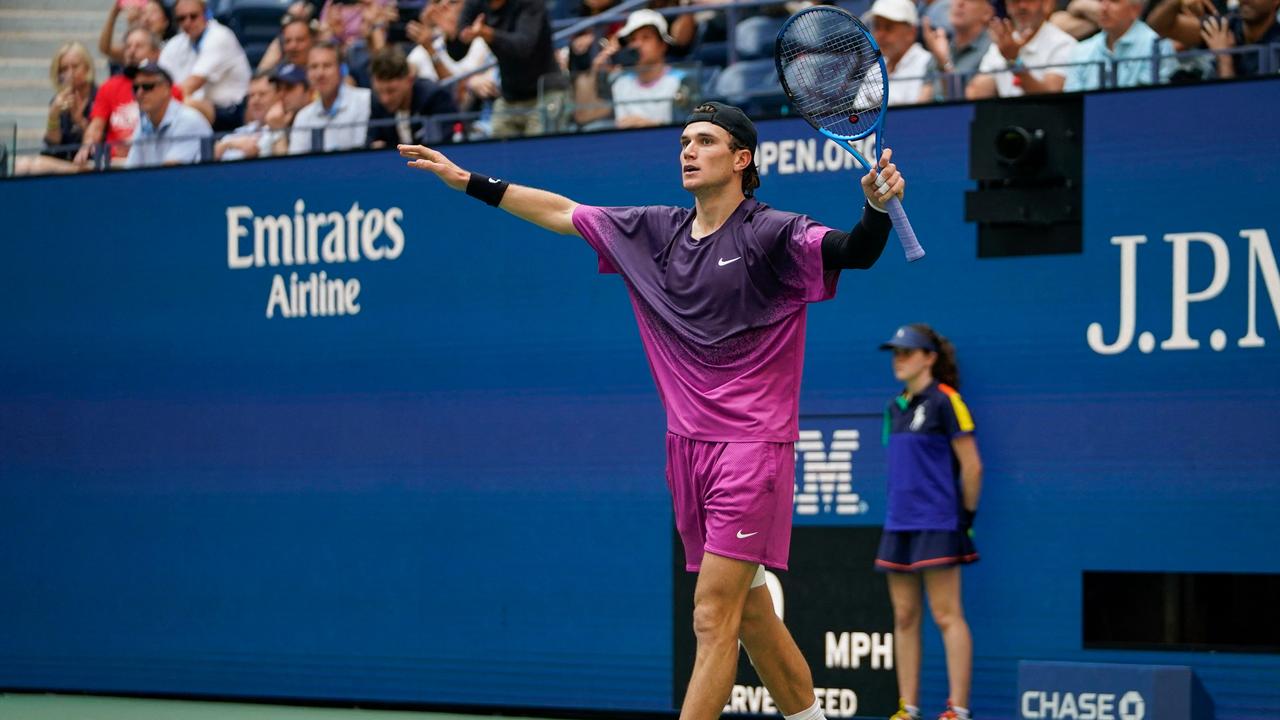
column 1027, row 156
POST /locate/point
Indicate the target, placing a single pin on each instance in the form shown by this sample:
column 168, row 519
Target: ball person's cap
column 908, row 338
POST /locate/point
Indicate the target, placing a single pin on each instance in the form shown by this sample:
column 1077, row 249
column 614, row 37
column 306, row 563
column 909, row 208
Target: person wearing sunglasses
column 169, row 133
column 115, row 113
column 206, row 60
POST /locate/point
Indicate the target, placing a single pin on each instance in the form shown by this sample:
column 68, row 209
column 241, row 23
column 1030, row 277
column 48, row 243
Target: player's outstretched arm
column 544, row 209
column 861, row 247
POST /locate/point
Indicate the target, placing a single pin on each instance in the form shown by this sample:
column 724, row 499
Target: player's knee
column 714, row 621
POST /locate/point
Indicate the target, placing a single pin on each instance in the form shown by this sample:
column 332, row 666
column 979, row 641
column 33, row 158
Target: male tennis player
column 719, row 293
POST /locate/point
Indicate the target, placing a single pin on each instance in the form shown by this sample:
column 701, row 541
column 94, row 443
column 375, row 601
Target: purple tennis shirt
column 722, row 318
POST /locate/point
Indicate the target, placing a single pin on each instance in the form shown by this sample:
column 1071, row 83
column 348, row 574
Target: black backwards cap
column 733, row 120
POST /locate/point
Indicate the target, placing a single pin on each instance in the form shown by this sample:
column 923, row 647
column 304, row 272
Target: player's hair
column 750, row 176
column 945, row 369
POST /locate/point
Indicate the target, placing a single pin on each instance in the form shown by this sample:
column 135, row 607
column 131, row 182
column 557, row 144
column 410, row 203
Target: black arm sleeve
column 859, row 248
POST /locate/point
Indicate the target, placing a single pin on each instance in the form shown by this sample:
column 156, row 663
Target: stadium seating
column 754, row 37
column 751, row 85
column 255, row 22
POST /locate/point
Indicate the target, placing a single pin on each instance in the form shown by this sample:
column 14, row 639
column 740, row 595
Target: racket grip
column 905, row 234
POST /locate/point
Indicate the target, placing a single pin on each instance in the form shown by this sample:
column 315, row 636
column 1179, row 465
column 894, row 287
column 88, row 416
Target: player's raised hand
column 424, row 158
column 884, row 184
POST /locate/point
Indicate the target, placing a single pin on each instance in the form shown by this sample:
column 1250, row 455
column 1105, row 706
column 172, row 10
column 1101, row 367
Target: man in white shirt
column 169, row 133
column 207, row 62
column 894, row 24
column 340, row 111
column 1018, row 43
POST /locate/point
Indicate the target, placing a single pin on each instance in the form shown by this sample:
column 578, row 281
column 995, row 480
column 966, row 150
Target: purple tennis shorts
column 732, row 499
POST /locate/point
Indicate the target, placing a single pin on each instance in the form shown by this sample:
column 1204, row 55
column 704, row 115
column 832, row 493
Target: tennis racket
column 833, row 72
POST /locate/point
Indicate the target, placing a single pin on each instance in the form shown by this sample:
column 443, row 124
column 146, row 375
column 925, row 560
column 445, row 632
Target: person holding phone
column 645, row 90
column 148, row 14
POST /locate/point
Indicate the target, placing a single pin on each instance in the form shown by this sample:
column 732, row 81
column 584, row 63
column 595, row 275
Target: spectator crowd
column 344, row 74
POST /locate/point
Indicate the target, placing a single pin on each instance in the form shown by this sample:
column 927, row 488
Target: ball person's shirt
column 924, row 475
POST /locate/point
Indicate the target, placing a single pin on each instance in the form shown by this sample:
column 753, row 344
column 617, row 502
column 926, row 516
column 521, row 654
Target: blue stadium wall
column 455, row 495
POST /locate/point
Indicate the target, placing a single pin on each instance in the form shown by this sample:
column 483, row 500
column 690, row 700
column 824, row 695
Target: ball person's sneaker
column 903, row 713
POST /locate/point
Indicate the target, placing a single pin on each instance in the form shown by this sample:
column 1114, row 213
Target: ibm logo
column 824, row 476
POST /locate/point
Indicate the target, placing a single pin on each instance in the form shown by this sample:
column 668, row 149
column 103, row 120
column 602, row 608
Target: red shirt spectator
column 116, row 107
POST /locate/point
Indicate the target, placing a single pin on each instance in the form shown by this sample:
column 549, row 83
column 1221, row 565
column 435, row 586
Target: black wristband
column 487, row 189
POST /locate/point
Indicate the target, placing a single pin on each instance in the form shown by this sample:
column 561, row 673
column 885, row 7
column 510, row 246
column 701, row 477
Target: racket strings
column 832, row 71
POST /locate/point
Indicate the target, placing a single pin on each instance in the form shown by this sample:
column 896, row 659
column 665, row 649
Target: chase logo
column 1041, row 705
column 1132, row 707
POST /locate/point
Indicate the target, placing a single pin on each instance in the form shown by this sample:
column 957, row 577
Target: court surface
column 89, row 707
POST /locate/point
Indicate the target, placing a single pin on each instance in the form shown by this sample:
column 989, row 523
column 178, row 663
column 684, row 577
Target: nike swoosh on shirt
column 742, row 536
column 724, row 262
